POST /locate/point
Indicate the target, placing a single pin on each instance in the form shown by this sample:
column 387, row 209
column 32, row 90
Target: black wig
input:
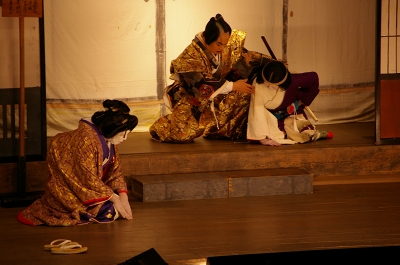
column 213, row 28
column 114, row 119
column 274, row 72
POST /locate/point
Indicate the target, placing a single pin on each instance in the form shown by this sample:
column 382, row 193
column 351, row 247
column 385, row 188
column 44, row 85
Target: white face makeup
column 119, row 137
column 218, row 46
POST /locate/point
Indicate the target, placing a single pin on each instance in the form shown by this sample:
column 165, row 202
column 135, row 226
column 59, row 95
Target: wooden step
column 356, row 179
column 225, row 184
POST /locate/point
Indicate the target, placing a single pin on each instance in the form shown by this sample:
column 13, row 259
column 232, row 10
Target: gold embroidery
column 75, row 179
column 182, row 126
column 109, row 215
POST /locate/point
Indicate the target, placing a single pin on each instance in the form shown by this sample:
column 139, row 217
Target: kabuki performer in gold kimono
column 85, row 182
column 210, row 96
column 277, row 109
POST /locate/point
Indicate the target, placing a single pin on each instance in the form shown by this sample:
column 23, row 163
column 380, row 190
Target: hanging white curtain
column 97, row 49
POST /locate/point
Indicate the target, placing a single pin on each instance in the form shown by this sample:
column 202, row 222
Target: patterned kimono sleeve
column 257, row 58
column 253, row 63
column 115, row 178
column 86, row 177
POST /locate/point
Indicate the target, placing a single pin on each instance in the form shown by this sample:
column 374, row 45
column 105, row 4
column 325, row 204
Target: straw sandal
column 54, row 245
column 70, row 248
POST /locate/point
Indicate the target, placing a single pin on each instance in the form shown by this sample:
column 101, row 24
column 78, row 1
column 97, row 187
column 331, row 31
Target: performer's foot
column 319, row 134
column 269, row 142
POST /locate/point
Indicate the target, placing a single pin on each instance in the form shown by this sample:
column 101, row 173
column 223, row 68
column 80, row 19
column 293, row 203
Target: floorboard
column 188, row 232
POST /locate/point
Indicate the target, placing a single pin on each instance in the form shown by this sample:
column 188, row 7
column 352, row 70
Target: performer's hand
column 119, row 207
column 125, row 203
column 269, row 142
column 242, row 86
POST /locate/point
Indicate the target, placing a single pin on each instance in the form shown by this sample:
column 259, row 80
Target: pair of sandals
column 64, row 246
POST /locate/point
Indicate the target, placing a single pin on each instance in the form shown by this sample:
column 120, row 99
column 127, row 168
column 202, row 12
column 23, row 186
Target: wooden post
column 21, row 9
column 22, row 157
column 22, row 87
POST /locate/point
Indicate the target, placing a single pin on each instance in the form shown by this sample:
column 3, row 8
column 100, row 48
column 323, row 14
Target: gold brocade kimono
column 76, row 184
column 191, row 115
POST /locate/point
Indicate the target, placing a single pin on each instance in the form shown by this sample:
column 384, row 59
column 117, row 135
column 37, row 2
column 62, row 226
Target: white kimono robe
column 261, row 122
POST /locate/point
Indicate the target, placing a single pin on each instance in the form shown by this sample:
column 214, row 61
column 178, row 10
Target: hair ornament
column 101, row 115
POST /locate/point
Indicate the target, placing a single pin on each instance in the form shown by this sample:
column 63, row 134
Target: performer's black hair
column 114, row 119
column 213, row 28
column 274, row 71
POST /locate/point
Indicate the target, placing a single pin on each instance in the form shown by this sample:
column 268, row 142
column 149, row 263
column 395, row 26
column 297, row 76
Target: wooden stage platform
column 351, row 151
column 350, row 157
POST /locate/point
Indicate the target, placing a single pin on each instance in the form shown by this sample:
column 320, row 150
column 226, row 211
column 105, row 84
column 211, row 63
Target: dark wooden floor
column 339, row 214
column 187, row 232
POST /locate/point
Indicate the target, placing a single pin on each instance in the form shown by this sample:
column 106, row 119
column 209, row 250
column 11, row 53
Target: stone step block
column 241, row 183
column 264, row 182
column 186, row 186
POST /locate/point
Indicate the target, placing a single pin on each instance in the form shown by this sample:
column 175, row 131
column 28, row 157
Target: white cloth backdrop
column 9, row 52
column 97, row 49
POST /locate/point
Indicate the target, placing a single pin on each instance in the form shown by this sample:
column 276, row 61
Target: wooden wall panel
column 390, row 109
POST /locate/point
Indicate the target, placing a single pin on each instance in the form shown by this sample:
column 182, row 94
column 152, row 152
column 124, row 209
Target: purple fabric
column 106, row 214
column 304, row 87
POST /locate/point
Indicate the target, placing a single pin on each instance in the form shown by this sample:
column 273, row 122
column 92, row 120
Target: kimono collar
column 107, row 152
column 199, row 41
